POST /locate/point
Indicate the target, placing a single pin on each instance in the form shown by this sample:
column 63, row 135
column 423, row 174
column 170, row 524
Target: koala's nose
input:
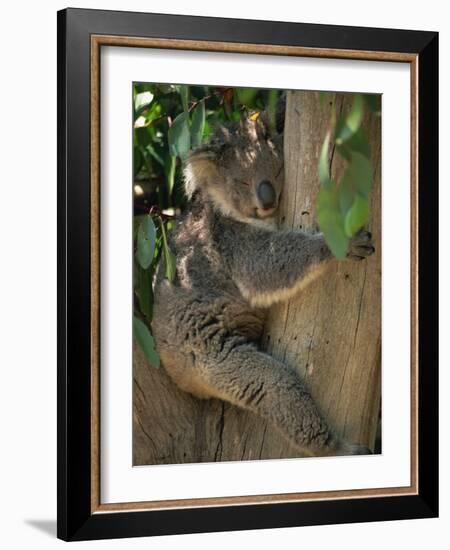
column 266, row 194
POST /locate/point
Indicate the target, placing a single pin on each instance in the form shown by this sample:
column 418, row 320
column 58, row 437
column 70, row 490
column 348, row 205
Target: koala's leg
column 258, row 382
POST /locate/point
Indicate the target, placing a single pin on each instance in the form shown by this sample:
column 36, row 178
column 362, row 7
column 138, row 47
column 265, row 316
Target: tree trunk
column 331, row 333
column 172, row 427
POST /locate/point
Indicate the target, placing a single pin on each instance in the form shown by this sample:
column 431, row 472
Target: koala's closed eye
column 242, row 182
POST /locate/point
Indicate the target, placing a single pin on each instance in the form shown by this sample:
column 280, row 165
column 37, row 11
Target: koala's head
column 240, row 170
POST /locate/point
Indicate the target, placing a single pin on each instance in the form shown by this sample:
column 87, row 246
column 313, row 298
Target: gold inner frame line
column 230, row 47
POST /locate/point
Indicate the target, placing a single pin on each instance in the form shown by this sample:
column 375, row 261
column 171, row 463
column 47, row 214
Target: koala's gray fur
column 232, row 264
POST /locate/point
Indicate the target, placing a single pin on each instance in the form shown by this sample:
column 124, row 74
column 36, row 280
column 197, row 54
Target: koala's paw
column 344, row 448
column 360, row 246
column 356, row 449
column 337, row 446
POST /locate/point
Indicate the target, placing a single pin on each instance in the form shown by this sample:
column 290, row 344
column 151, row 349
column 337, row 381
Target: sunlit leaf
column 170, row 263
column 145, row 242
column 142, row 100
column 140, row 122
column 324, row 173
column 145, row 340
column 169, row 258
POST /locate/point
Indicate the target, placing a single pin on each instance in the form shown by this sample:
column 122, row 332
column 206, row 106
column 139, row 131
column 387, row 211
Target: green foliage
column 146, row 240
column 198, row 124
column 145, row 340
column 330, row 220
column 169, row 258
column 343, row 206
column 142, row 101
column 180, row 136
column 374, row 103
column 169, row 121
column 323, row 163
column 347, row 126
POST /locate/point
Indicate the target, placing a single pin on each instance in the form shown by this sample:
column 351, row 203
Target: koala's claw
column 360, row 246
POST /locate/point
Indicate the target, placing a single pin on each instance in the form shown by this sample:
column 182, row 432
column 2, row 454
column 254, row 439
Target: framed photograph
column 247, row 285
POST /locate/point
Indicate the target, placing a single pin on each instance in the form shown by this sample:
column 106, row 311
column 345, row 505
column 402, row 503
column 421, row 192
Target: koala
column 232, row 264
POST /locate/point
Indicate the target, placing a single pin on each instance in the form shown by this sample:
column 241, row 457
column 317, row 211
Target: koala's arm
column 272, row 266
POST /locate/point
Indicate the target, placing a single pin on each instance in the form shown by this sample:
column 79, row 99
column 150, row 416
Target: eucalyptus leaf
column 246, row 96
column 360, row 172
column 198, row 124
column 358, row 142
column 154, row 154
column 140, row 122
column 357, row 216
column 324, row 174
column 142, row 101
column 144, row 291
column 170, row 173
column 331, row 221
column 179, row 136
column 137, row 220
column 345, row 194
column 184, row 92
column 170, row 262
column 349, row 125
column 145, row 340
column 169, row 258
column 145, row 242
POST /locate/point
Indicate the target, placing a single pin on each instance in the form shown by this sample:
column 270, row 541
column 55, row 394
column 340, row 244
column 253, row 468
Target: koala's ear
column 200, row 169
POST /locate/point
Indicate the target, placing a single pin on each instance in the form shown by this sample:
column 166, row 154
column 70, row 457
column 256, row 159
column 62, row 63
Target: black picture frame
column 76, row 521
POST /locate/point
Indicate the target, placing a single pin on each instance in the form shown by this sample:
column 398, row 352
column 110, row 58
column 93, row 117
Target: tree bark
column 331, row 333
